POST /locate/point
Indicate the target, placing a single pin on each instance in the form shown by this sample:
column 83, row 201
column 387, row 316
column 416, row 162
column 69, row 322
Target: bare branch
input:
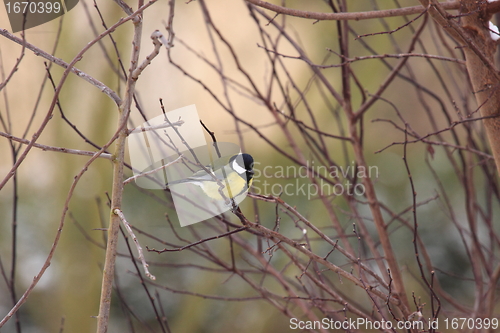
column 155, row 36
column 155, row 127
column 52, row 148
column 128, row 180
column 39, row 52
column 137, row 244
column 349, row 16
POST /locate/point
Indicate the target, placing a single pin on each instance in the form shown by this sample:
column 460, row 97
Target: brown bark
column 485, row 80
column 479, row 49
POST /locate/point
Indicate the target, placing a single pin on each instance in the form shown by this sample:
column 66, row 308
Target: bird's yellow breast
column 234, row 185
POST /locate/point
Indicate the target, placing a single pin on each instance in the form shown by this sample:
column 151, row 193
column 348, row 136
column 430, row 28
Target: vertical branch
column 430, row 286
column 479, row 54
column 68, row 69
column 15, row 207
column 485, row 80
column 116, row 200
column 378, row 219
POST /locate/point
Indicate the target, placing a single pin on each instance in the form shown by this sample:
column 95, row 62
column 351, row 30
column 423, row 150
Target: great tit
column 232, row 175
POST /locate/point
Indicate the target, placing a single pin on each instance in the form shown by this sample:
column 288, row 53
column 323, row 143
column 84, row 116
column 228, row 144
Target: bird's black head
column 243, row 164
column 248, row 161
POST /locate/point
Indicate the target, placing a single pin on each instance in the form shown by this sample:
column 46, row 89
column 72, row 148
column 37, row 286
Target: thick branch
column 479, row 54
column 485, row 80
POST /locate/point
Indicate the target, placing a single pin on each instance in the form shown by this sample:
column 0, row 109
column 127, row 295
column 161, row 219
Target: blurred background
column 192, row 292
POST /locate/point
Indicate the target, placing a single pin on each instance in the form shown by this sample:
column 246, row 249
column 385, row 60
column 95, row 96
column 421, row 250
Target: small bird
column 230, row 175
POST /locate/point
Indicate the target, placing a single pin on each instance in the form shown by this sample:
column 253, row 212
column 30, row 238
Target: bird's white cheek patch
column 238, row 168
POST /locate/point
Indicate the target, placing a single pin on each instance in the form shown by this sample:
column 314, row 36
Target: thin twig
column 57, row 149
column 137, row 245
column 128, row 180
column 155, row 36
column 39, row 52
column 155, row 127
column 198, row 242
